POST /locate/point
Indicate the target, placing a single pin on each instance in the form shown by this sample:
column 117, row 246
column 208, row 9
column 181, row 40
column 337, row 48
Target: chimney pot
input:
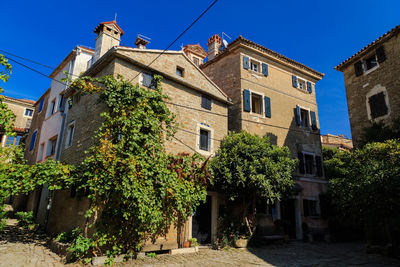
column 141, row 43
column 214, row 46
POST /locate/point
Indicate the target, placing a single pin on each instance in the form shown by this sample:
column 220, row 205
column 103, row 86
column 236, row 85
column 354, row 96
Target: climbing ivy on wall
column 136, row 189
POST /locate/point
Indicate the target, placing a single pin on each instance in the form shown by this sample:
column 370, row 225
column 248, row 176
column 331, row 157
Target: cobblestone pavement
column 20, row 247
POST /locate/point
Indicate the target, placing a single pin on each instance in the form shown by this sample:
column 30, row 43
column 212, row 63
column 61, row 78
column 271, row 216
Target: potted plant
column 193, row 242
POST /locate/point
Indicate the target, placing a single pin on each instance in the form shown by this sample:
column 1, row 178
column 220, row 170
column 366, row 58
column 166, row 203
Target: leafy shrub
column 25, row 218
column 67, row 237
column 151, row 255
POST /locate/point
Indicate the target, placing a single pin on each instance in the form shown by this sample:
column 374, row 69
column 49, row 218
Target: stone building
column 275, row 96
column 23, row 111
column 372, row 81
column 199, row 104
column 337, row 141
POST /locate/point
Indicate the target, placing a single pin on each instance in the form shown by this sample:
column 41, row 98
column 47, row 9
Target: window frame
column 142, row 78
column 52, row 107
column 206, row 127
column 181, row 70
column 314, row 164
column 28, row 116
column 255, row 63
column 308, row 213
column 50, row 142
column 364, row 64
column 70, row 136
column 376, row 90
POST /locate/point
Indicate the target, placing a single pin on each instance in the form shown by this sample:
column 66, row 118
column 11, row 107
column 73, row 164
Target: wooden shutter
column 301, row 162
column 32, row 145
column 358, row 68
column 377, row 105
column 267, row 103
column 298, row 116
column 246, row 100
column 206, row 102
column 246, row 62
column 318, row 162
column 313, row 120
column 309, row 87
column 380, row 54
column 294, row 81
column 265, row 69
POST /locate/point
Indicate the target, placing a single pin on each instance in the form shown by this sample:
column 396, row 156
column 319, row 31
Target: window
column 41, row 149
column 148, row 81
column 61, row 101
column 70, row 134
column 255, row 66
column 256, row 103
column 205, row 140
column 28, row 112
column 196, row 61
column 33, row 139
column 51, row 146
column 179, row 71
column 309, row 163
column 52, row 107
column 377, row 104
column 310, row 208
column 304, row 117
column 10, row 140
column 301, row 84
column 370, row 62
column 41, row 104
column 206, row 102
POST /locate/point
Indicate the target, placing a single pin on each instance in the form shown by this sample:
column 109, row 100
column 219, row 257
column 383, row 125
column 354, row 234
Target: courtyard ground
column 20, row 247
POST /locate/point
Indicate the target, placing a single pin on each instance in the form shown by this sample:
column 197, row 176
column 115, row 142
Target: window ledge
column 370, row 70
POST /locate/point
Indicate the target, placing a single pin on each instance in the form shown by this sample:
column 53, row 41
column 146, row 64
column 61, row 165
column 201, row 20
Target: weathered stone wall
column 386, row 76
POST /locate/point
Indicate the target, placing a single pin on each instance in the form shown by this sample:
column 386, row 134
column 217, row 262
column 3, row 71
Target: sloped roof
column 109, row 22
column 27, row 101
column 370, row 46
column 196, row 49
column 242, row 40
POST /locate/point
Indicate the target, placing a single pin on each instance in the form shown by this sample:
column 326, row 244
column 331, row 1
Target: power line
column 177, row 38
column 27, row 59
column 34, row 70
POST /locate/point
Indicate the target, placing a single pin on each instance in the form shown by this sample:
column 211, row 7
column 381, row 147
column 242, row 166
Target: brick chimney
column 214, row 46
column 141, row 42
column 108, row 35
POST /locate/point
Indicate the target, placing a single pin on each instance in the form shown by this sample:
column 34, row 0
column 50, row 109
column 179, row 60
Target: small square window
column 148, row 81
column 206, row 102
column 255, row 66
column 377, row 105
column 370, row 62
column 28, row 112
column 205, row 140
column 256, row 103
column 179, row 71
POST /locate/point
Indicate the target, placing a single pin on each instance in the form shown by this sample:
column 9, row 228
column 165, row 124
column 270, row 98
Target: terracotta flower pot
column 186, row 244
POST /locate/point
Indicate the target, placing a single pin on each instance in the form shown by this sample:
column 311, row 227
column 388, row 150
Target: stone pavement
column 20, row 247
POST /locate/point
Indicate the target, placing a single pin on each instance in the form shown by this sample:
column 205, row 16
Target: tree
column 247, row 168
column 370, row 189
column 7, row 118
column 380, row 132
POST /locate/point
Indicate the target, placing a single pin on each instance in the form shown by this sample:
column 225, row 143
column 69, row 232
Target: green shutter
column 309, row 87
column 313, row 120
column 298, row 117
column 267, row 103
column 246, row 62
column 294, row 81
column 246, row 100
column 265, row 69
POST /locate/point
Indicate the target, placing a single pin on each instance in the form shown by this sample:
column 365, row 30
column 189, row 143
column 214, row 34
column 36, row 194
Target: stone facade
column 23, row 111
column 337, row 141
column 379, row 72
column 185, row 85
column 246, row 66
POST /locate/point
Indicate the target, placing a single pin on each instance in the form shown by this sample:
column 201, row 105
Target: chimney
column 108, row 35
column 141, row 42
column 214, row 46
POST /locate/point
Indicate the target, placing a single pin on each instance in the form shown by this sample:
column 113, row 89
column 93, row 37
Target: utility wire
column 34, row 70
column 177, row 38
column 27, row 59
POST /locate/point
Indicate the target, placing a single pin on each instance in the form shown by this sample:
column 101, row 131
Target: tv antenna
column 224, row 41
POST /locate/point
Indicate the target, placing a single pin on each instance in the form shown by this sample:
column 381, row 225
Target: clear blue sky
column 320, row 34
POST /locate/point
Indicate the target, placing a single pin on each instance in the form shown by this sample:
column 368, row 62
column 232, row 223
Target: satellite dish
column 225, row 42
